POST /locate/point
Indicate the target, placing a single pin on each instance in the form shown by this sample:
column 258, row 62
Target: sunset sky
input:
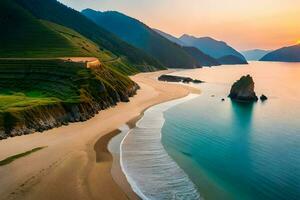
column 244, row 24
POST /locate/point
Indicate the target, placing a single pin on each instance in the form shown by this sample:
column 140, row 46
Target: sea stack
column 243, row 90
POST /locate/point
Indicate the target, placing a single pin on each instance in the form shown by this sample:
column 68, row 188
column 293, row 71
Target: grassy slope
column 35, row 87
column 34, row 82
column 22, row 35
column 52, row 10
column 110, row 60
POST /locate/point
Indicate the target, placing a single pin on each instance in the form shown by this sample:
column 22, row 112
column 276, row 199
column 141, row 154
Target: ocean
column 203, row 147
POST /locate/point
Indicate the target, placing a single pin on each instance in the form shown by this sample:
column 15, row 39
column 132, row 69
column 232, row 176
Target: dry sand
column 76, row 163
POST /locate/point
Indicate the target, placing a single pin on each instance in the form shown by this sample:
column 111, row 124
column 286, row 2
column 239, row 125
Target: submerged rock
column 243, row 90
column 263, row 97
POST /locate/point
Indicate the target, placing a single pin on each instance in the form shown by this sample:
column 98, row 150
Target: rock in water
column 243, row 90
column 263, row 97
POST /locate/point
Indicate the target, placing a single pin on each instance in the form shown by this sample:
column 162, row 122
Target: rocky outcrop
column 243, row 90
column 263, row 97
column 45, row 117
column 171, row 78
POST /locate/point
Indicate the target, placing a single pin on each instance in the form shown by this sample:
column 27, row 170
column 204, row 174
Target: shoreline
column 70, row 156
column 137, row 162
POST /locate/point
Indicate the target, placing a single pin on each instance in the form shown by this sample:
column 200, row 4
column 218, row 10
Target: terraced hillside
column 36, row 95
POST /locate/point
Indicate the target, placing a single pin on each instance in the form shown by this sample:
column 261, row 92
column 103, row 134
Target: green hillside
column 39, row 92
column 53, row 11
column 32, row 91
column 22, row 35
column 88, row 47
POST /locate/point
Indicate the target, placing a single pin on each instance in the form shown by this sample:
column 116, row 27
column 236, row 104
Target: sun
column 298, row 41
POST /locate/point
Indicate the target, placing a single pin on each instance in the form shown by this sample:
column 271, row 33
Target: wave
column 149, row 169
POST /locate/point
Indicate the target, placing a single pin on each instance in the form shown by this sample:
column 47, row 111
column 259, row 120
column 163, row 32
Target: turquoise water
column 240, row 151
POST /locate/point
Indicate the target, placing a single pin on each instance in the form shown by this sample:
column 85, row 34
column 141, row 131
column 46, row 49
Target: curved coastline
column 71, row 155
column 172, row 181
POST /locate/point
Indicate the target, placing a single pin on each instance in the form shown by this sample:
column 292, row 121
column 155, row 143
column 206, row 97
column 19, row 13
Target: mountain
column 285, row 54
column 141, row 36
column 203, row 59
column 55, row 12
column 211, row 47
column 255, row 54
column 170, row 37
column 22, row 35
column 231, row 60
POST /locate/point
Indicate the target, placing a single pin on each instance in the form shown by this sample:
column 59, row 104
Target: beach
column 75, row 163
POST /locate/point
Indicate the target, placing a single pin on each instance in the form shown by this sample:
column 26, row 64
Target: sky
column 244, row 24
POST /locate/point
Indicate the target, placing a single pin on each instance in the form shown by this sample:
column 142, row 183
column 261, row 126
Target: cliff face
column 42, row 94
column 41, row 118
column 243, row 89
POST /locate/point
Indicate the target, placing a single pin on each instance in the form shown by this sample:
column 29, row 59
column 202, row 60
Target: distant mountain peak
column 210, row 46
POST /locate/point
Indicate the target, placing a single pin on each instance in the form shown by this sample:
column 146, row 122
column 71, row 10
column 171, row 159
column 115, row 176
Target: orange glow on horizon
column 255, row 24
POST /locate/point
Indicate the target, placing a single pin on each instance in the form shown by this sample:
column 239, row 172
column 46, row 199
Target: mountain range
column 55, row 12
column 218, row 50
column 285, row 54
column 143, row 37
column 212, row 47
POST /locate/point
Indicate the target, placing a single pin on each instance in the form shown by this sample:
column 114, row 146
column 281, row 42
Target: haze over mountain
column 205, row 60
column 170, row 37
column 285, row 54
column 141, row 36
column 255, row 54
column 220, row 51
column 210, row 46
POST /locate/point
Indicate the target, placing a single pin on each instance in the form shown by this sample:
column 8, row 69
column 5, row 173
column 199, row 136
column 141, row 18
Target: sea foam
column 150, row 171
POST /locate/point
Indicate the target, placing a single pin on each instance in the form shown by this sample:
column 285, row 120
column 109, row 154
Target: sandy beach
column 76, row 163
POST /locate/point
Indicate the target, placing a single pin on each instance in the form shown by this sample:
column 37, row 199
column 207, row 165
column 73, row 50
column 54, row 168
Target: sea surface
column 240, row 151
column 203, row 147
